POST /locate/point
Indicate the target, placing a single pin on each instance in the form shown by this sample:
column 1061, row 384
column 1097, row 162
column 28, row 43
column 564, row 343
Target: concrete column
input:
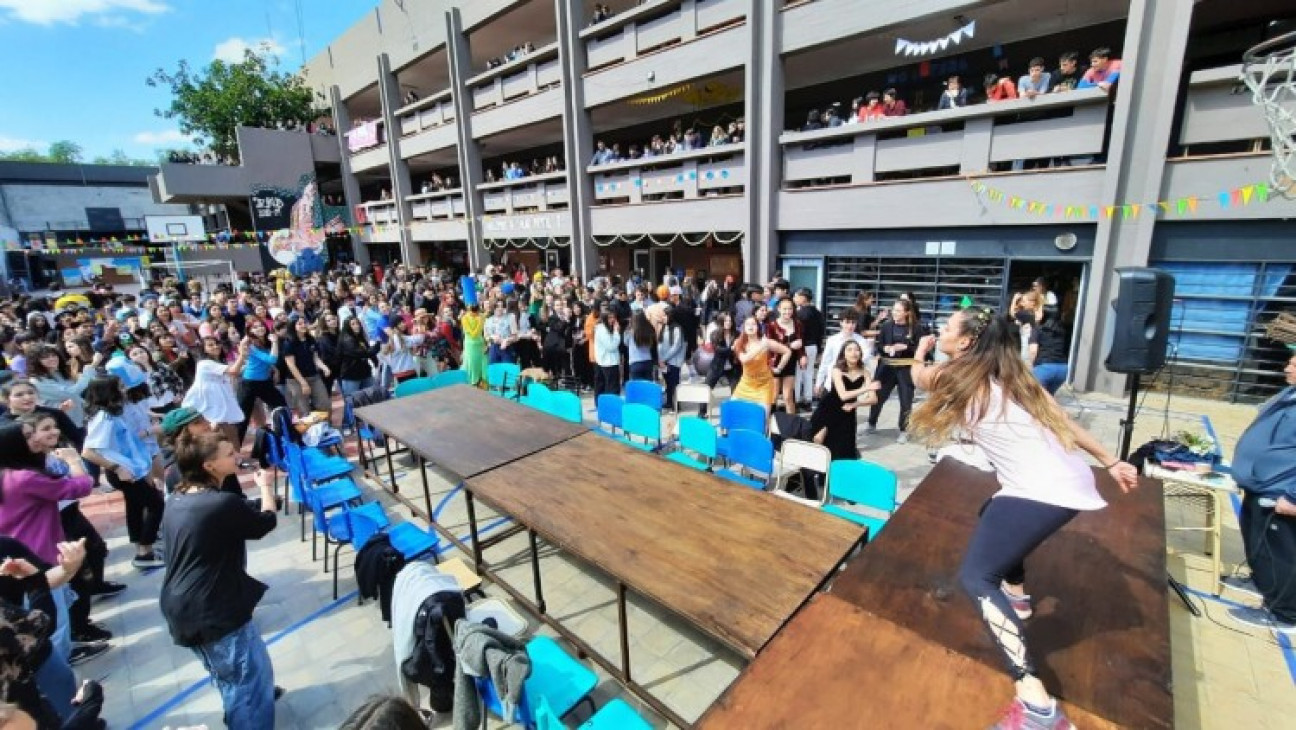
column 470, row 164
column 350, row 186
column 578, row 135
column 764, row 114
column 1155, row 38
column 402, row 187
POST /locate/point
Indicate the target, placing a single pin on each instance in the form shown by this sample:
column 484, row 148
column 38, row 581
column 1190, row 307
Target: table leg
column 535, row 571
column 472, row 530
column 625, row 631
column 427, row 494
column 391, row 468
column 1217, row 523
column 360, row 445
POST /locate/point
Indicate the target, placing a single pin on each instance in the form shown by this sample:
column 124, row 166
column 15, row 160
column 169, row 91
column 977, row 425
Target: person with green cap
column 178, row 421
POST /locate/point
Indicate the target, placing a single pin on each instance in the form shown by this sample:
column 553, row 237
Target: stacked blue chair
column 557, row 680
column 311, row 471
column 502, row 378
column 751, row 452
column 413, row 386
column 610, row 408
column 538, row 396
column 861, row 484
column 449, row 377
column 639, row 421
column 697, row 443
column 645, row 392
column 567, row 406
column 740, row 415
column 356, row 525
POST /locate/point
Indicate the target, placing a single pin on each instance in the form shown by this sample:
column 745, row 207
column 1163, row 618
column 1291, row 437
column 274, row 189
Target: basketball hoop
column 1269, row 70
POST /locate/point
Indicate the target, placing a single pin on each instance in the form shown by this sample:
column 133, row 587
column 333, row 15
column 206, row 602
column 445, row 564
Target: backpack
column 432, row 663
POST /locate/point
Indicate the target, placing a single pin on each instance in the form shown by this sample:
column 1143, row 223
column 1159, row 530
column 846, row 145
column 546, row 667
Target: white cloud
column 49, row 12
column 10, row 144
column 231, row 50
column 166, row 136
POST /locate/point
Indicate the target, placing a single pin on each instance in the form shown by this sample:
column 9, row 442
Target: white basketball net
column 1272, row 80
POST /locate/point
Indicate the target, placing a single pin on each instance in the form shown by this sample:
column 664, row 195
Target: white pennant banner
column 925, row 48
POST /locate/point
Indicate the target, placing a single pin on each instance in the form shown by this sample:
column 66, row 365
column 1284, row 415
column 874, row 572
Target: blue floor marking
column 192, row 689
column 1284, row 643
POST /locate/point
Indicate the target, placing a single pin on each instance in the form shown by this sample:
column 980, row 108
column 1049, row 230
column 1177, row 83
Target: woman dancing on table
column 986, row 393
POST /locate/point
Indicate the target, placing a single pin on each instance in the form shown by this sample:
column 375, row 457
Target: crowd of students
column 679, row 140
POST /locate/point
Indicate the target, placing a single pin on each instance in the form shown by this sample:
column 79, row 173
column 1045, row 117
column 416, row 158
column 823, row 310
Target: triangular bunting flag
column 1224, row 200
column 1192, row 205
column 1247, row 192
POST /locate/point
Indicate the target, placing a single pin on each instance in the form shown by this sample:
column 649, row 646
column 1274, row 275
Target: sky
column 75, row 69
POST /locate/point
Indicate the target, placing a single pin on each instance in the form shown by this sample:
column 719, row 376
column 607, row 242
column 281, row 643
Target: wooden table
column 897, row 634
column 464, row 431
column 735, row 562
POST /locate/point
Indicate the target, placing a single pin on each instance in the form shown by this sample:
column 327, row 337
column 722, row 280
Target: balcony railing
column 434, row 111
column 1063, row 125
column 705, row 172
column 380, row 212
column 530, row 74
column 440, row 205
column 1219, row 109
column 535, row 193
column 643, row 29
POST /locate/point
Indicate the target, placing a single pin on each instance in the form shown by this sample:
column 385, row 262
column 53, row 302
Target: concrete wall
column 36, row 207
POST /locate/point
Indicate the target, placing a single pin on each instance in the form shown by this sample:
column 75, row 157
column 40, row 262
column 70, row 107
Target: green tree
column 211, row 103
column 64, row 151
column 119, row 157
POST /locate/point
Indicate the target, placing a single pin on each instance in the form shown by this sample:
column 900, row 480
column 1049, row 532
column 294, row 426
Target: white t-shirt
column 1029, row 460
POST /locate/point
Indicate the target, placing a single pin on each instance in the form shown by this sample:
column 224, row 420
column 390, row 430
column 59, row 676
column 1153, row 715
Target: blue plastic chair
column 557, row 680
column 646, row 393
column 615, row 715
column 641, row 421
column 328, row 476
column 347, row 526
column 502, row 378
column 610, row 408
column 740, row 415
column 413, row 386
column 538, row 396
column 447, row 378
column 697, row 436
column 751, row 452
column 567, row 406
column 864, row 484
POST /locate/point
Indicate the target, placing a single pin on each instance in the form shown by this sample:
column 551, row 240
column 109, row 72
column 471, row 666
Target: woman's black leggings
column 1010, row 529
column 91, row 575
column 143, row 508
column 249, row 392
column 892, row 378
column 607, row 380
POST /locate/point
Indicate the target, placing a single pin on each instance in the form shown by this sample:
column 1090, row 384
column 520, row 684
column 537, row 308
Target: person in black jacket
column 355, row 360
column 812, row 337
column 898, row 341
column 207, row 596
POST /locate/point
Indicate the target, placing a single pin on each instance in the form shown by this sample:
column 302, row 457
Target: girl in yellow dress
column 754, row 351
column 474, row 346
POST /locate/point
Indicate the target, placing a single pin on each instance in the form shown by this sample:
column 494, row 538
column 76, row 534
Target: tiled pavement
column 333, row 655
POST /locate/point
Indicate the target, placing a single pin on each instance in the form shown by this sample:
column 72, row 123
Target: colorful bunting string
column 1231, row 198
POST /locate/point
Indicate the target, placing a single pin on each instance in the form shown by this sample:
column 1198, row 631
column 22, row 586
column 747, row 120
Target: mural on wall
column 297, row 226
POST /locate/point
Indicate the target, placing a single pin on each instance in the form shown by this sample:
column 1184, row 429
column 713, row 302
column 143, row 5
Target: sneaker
column 1262, row 618
column 91, row 633
column 903, row 438
column 1019, row 716
column 107, row 589
column 871, row 428
column 148, row 561
column 82, row 653
column 1021, row 605
column 1241, row 585
column 932, row 456
column 279, row 692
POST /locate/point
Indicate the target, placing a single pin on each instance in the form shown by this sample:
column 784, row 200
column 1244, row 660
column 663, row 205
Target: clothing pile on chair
column 488, row 653
column 425, row 603
column 376, row 567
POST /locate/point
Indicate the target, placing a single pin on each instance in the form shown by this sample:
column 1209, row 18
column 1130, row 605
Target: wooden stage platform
column 896, row 643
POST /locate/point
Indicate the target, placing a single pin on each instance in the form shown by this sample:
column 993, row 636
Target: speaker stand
column 1127, row 425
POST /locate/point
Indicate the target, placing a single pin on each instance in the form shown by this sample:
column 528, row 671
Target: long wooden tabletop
column 465, row 430
column 735, row 562
column 1100, row 634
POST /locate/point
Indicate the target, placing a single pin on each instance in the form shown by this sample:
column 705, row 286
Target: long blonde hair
column 960, row 397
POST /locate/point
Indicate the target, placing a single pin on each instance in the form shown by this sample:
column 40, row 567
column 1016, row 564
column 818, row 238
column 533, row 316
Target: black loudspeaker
column 1142, row 320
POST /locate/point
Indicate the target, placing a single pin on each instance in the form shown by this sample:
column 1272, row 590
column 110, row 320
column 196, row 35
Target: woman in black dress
column 833, row 422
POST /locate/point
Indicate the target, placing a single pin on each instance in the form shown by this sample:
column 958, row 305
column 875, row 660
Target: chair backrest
column 645, row 392
column 752, row 450
column 863, row 483
column 697, row 435
column 609, row 409
column 449, row 377
column 361, row 523
column 566, row 405
column 503, row 375
column 692, row 393
column 744, row 415
column 643, row 421
column 413, row 386
column 796, row 454
column 540, row 395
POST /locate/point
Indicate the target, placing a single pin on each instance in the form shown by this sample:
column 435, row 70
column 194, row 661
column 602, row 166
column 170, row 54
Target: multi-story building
column 437, row 99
